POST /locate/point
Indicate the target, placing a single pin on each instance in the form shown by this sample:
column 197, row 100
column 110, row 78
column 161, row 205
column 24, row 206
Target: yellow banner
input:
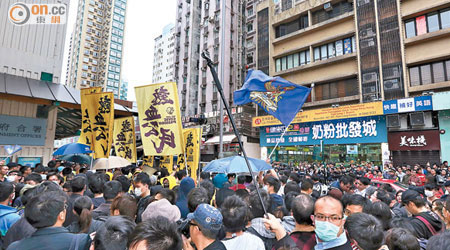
column 159, row 118
column 86, row 130
column 167, row 162
column 124, row 138
column 101, row 116
column 192, row 140
column 148, row 161
column 343, row 112
column 181, row 162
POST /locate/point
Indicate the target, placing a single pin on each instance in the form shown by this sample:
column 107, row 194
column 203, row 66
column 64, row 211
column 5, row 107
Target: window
column 445, row 18
column 427, row 23
column 414, row 76
column 287, row 28
column 278, row 65
column 296, row 60
column 283, row 63
column 429, row 73
column 338, row 48
column 332, row 90
column 410, row 28
column 425, row 72
column 316, row 54
column 250, row 27
column 290, row 62
column 438, row 72
column 250, row 12
column 433, row 22
column 331, row 51
column 338, row 9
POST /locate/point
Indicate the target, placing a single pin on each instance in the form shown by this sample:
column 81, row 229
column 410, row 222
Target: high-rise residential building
column 250, row 31
column 387, row 54
column 219, row 27
column 123, row 90
column 32, row 51
column 97, row 45
column 163, row 55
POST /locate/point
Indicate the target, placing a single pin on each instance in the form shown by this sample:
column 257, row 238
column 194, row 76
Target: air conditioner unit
column 369, row 77
column 369, row 90
column 393, row 84
column 327, row 7
column 417, row 119
column 392, row 72
column 367, row 43
column 393, row 121
column 370, row 98
column 366, row 33
column 363, row 2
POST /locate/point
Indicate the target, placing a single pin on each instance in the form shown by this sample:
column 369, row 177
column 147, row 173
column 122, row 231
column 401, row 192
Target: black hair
column 126, row 183
column 111, row 189
column 33, row 177
column 241, row 179
column 126, row 204
column 50, row 174
column 209, row 186
column 51, row 164
column 222, row 194
column 364, row 180
column 143, row 178
column 366, row 230
column 96, row 183
column 256, row 208
column 283, row 179
column 346, row 179
column 384, row 196
column 288, row 198
column 66, row 171
column 356, row 199
column 418, row 201
column 307, row 184
column 43, row 209
column 180, row 174
column 438, row 242
column 196, row 197
column 292, row 186
column 382, row 212
column 82, row 207
column 399, row 239
column 168, row 194
column 274, row 182
column 6, row 189
column 78, row 183
column 402, row 222
column 234, row 212
column 158, row 233
column 205, row 175
column 295, row 177
column 302, row 208
column 39, row 169
column 23, row 169
column 114, row 234
column 315, row 177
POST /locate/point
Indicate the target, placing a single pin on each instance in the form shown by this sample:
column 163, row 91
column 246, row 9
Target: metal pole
column 278, row 142
column 222, row 69
column 236, row 132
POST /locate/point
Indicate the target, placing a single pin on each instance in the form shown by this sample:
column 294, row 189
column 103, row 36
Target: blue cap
column 219, row 180
column 208, row 217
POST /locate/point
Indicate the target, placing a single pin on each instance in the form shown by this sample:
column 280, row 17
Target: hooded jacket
column 421, row 229
column 186, row 185
column 8, row 216
column 172, row 181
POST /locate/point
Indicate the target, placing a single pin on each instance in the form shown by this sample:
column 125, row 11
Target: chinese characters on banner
column 101, row 116
column 148, row 161
column 124, row 138
column 340, row 130
column 159, row 118
column 192, row 138
column 167, row 162
column 86, row 129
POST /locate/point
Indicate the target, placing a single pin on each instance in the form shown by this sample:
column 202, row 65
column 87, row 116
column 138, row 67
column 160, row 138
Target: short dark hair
column 143, row 178
column 96, row 183
column 158, row 233
column 168, row 194
column 405, row 223
column 6, row 189
column 126, row 183
column 274, row 182
column 43, row 209
column 346, row 179
column 50, row 174
column 255, row 203
column 114, row 234
column 222, row 194
column 302, row 208
column 196, row 197
column 126, row 204
column 291, row 186
column 180, row 174
column 288, row 198
column 209, row 186
column 295, row 177
column 78, row 184
column 205, row 175
column 364, row 180
column 33, row 177
column 67, row 171
column 111, row 189
column 382, row 212
column 82, row 207
column 438, row 242
column 241, row 179
column 366, row 230
column 356, row 199
column 399, row 238
column 234, row 212
column 24, row 168
column 307, row 184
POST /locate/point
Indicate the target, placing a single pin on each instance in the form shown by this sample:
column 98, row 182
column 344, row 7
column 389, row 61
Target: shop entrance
column 415, row 157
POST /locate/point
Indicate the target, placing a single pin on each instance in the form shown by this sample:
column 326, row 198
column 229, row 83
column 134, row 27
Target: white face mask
column 137, row 191
column 44, row 177
column 429, row 193
column 11, row 178
column 266, row 188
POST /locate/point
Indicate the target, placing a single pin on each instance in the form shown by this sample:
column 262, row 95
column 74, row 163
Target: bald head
column 328, row 205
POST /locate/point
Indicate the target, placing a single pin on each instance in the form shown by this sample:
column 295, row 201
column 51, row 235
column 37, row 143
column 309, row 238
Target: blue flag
column 275, row 95
column 10, row 149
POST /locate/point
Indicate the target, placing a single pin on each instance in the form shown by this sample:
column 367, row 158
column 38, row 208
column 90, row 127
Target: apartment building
column 163, row 55
column 97, row 45
column 123, row 90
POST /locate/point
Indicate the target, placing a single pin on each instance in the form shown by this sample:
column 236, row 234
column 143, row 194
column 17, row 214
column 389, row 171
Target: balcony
column 214, row 97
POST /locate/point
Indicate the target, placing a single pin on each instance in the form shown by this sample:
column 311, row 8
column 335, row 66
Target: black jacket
column 18, row 231
column 421, row 229
column 102, row 211
column 52, row 238
column 70, row 216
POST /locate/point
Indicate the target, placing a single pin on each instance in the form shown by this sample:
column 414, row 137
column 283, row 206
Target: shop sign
column 22, row 130
column 29, row 161
column 343, row 131
column 343, row 112
column 420, row 103
column 414, row 141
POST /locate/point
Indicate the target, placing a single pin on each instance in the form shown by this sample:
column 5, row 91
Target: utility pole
column 222, row 74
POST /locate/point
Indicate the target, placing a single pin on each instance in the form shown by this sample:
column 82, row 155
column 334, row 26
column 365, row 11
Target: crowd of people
column 66, row 206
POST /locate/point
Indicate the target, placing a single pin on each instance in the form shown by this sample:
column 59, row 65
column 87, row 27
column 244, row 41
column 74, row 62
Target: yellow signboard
column 86, row 128
column 124, row 138
column 192, row 140
column 343, row 112
column 167, row 162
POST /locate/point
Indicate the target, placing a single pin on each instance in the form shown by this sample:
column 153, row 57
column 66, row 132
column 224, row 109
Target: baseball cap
column 410, row 195
column 207, row 217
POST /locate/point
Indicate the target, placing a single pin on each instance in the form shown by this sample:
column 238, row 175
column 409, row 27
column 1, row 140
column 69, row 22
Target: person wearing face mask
column 430, row 194
column 272, row 185
column 8, row 215
column 14, row 176
column 329, row 224
column 142, row 192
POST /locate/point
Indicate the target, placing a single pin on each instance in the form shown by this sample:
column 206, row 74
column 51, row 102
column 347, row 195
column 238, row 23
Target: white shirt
column 245, row 241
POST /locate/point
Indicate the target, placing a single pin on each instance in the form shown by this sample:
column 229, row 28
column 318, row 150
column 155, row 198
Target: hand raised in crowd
column 274, row 225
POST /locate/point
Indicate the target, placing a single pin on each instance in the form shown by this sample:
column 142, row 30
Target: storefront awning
column 216, row 139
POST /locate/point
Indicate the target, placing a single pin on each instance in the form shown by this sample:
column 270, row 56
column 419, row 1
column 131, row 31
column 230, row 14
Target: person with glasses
column 329, row 224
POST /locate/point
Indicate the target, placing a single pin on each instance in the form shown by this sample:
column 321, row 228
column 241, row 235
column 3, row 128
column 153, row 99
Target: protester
column 111, row 190
column 142, row 192
column 82, row 207
column 3, row 172
column 78, row 187
column 156, row 233
column 8, row 215
column 272, row 185
column 162, row 208
column 125, row 205
column 114, row 234
column 186, row 185
column 365, row 231
column 96, row 183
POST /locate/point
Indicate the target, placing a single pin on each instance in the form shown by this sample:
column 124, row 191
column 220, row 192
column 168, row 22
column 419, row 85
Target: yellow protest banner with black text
column 148, row 161
column 192, row 139
column 101, row 116
column 166, row 162
column 124, row 138
column 86, row 129
column 159, row 119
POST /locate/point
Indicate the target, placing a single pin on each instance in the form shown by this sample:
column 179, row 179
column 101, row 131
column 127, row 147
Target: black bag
column 268, row 242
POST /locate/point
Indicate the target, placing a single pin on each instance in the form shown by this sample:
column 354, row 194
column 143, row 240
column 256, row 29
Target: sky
column 145, row 20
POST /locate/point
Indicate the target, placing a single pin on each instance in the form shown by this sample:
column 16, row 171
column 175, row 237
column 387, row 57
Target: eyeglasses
column 332, row 218
column 193, row 224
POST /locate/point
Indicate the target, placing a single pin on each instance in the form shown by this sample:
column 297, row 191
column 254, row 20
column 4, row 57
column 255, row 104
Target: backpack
column 268, row 242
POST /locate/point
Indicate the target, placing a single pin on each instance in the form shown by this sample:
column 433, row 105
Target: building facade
column 123, row 90
column 41, row 45
column 365, row 51
column 163, row 55
column 97, row 45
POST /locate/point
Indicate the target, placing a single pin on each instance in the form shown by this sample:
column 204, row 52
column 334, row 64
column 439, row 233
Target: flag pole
column 205, row 56
column 279, row 140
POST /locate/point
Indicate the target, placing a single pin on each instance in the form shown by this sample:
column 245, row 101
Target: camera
column 183, row 227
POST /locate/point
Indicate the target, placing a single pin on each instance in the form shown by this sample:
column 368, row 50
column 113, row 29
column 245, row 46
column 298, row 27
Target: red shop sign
column 414, row 141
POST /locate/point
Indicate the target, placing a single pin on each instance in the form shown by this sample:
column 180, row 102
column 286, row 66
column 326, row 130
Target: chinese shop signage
column 414, row 141
column 344, row 131
column 420, row 103
column 22, row 130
